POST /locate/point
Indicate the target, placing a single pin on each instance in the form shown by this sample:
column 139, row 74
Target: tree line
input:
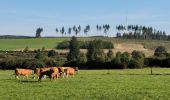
column 140, row 32
column 127, row 32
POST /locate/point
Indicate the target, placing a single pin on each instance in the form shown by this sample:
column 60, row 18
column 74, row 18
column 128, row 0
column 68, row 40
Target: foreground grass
column 90, row 85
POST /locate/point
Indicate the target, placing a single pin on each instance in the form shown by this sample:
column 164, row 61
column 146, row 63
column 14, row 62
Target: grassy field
column 136, row 84
column 34, row 43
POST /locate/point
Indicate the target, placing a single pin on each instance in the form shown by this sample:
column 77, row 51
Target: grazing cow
column 52, row 72
column 23, row 72
column 37, row 71
column 70, row 71
column 61, row 70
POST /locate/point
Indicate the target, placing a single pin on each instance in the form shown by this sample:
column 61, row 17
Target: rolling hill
column 122, row 45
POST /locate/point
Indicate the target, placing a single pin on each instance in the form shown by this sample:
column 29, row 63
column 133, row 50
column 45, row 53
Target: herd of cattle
column 52, row 72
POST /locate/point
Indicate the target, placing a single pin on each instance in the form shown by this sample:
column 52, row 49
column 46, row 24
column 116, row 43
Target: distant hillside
column 20, row 42
column 14, row 37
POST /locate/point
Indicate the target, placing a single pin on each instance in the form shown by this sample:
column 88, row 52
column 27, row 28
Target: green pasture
column 50, row 43
column 135, row 84
column 34, row 43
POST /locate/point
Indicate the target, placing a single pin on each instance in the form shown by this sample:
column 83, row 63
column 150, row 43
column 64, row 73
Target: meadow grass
column 34, row 43
column 135, row 84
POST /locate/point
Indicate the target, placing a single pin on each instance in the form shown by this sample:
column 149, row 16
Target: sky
column 23, row 17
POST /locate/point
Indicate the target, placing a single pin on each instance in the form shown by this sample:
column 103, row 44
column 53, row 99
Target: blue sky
column 23, row 17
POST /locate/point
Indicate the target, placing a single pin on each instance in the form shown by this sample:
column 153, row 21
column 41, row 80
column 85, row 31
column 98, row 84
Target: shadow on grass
column 35, row 81
column 28, row 81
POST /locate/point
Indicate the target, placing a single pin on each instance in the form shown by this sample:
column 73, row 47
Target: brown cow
column 37, row 71
column 53, row 72
column 70, row 71
column 23, row 72
column 61, row 70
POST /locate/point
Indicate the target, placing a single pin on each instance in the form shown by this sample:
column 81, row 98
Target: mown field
column 135, row 84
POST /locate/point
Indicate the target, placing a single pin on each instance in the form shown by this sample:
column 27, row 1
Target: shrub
column 82, row 59
column 137, row 60
column 95, row 53
column 116, row 62
column 125, row 58
column 52, row 53
column 63, row 45
column 50, row 62
column 33, row 63
column 43, row 49
column 110, row 55
column 39, row 55
column 26, row 49
column 85, row 45
column 160, row 51
column 135, row 64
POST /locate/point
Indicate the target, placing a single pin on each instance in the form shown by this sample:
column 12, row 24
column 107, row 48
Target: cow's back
column 70, row 71
column 23, row 72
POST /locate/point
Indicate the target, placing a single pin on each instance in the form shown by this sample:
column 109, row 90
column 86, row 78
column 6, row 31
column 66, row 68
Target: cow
column 37, row 71
column 23, row 72
column 61, row 70
column 70, row 71
column 52, row 73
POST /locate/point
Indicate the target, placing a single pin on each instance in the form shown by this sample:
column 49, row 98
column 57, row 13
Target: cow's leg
column 44, row 77
column 35, row 76
column 50, row 77
column 63, row 74
column 54, row 78
column 38, row 77
column 57, row 76
column 26, row 77
column 16, row 77
column 67, row 75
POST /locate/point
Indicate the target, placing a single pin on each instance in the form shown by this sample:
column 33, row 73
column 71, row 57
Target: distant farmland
column 34, row 43
column 122, row 45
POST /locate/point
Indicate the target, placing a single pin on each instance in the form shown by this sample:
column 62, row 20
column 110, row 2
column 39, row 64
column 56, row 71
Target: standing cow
column 37, row 71
column 61, row 70
column 70, row 71
column 23, row 72
column 52, row 73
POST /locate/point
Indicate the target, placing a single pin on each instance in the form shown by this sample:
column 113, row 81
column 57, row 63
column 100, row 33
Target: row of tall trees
column 77, row 30
column 140, row 32
column 127, row 32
